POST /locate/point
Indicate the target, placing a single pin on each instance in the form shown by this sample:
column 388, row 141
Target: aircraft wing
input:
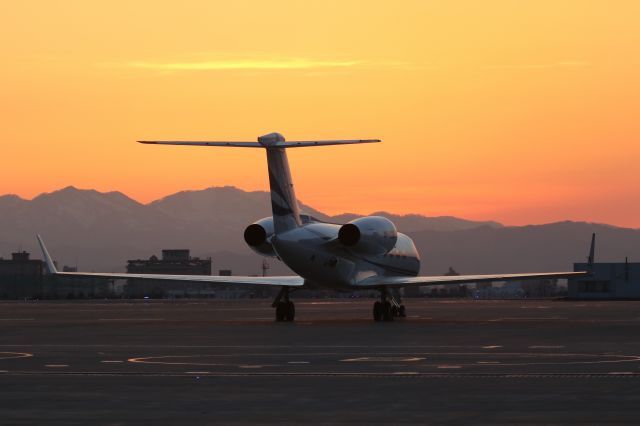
column 398, row 281
column 288, row 281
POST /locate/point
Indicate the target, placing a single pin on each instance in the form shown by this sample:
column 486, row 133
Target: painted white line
column 197, row 372
column 492, row 347
column 488, row 362
column 250, row 366
column 442, row 367
column 108, row 361
column 56, row 365
column 131, row 319
column 528, row 319
column 11, row 355
column 382, row 359
column 298, row 362
column 405, row 373
column 17, row 319
column 546, row 347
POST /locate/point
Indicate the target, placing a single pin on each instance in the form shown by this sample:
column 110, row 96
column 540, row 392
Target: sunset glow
column 520, row 112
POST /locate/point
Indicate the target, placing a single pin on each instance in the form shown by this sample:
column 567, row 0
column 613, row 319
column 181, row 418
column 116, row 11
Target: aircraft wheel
column 281, row 311
column 291, row 311
column 395, row 311
column 387, row 312
column 377, row 311
column 402, row 313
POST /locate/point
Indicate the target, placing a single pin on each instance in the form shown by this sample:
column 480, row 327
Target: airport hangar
column 618, row 280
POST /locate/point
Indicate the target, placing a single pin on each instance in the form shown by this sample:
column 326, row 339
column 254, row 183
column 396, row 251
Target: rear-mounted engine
column 375, row 235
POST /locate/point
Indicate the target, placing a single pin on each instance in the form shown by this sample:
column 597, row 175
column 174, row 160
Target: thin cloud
column 563, row 64
column 244, row 64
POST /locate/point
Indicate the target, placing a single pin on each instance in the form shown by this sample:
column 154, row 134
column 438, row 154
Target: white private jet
column 367, row 253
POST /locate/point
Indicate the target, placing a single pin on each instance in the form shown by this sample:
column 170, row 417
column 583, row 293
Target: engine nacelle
column 375, row 235
column 258, row 236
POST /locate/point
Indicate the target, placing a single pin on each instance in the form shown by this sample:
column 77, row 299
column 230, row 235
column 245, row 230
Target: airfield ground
column 200, row 362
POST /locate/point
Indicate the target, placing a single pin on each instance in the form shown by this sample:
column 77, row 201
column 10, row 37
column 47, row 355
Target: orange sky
column 521, row 112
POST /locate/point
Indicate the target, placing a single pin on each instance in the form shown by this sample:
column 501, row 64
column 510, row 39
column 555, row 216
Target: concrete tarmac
column 450, row 362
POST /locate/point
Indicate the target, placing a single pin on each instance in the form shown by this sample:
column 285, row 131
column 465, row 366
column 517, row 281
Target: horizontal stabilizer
column 282, row 144
column 205, row 143
column 296, row 144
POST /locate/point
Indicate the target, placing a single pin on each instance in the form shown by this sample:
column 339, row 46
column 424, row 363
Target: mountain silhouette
column 99, row 231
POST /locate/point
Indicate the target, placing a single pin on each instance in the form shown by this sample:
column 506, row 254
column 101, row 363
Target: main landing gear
column 285, row 309
column 387, row 308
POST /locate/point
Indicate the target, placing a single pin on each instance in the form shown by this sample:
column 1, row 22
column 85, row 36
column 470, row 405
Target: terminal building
column 608, row 281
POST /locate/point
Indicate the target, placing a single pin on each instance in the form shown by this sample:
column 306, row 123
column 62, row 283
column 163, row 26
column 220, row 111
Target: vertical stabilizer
column 284, row 204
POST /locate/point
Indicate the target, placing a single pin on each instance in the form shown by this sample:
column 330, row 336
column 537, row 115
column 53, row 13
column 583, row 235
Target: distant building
column 608, row 281
column 21, row 277
column 173, row 262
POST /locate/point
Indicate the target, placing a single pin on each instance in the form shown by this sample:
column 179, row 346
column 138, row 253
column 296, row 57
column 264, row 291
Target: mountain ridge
column 101, row 230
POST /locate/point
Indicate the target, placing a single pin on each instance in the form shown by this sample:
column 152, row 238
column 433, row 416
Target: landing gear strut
column 387, row 308
column 285, row 309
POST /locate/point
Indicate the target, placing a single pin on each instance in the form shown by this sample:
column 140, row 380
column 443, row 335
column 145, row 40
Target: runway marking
column 56, row 365
column 546, row 347
column 382, row 359
column 197, row 372
column 131, row 319
column 365, row 375
column 108, row 361
column 488, row 362
column 535, row 307
column 250, row 366
column 298, row 362
column 13, row 355
column 17, row 319
column 492, row 347
column 528, row 319
column 621, row 373
column 150, row 360
column 405, row 373
column 442, row 367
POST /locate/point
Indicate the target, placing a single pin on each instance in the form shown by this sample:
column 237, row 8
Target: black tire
column 377, row 311
column 291, row 311
column 281, row 311
column 402, row 312
column 387, row 312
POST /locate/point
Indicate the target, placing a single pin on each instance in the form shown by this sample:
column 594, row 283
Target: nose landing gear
column 387, row 308
column 285, row 309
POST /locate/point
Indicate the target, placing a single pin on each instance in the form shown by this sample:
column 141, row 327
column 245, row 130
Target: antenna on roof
column 592, row 250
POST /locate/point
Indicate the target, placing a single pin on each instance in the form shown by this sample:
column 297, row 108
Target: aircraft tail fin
column 286, row 213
